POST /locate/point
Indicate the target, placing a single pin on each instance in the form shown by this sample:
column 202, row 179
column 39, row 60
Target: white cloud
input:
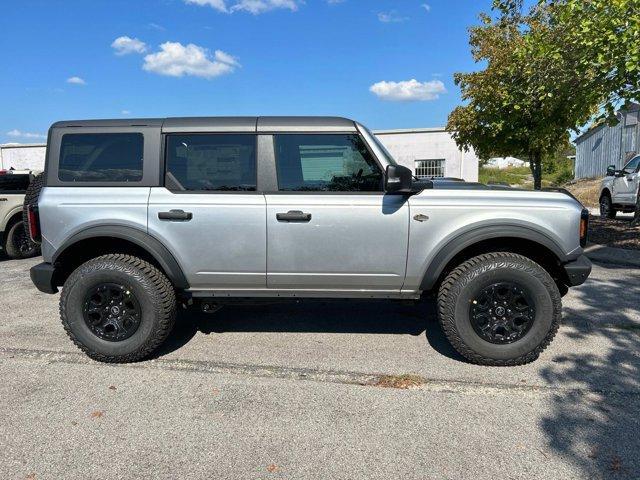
column 391, row 17
column 219, row 5
column 255, row 7
column 333, row 2
column 408, row 91
column 125, row 112
column 125, row 45
column 76, row 81
column 177, row 60
column 426, row 6
column 17, row 133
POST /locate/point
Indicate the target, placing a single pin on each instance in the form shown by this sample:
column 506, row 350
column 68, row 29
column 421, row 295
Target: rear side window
column 325, row 163
column 212, row 162
column 101, row 157
column 12, row 183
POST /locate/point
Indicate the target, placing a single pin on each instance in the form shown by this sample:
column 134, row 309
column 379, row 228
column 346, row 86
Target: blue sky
column 77, row 59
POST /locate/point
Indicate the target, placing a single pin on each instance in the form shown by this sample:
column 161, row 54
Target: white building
column 22, row 156
column 505, row 162
column 430, row 152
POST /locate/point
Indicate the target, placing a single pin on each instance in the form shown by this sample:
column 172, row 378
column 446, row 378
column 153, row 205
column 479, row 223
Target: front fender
column 453, row 246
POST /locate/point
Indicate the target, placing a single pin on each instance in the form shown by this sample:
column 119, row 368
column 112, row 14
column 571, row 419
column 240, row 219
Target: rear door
column 330, row 226
column 209, row 213
column 626, row 186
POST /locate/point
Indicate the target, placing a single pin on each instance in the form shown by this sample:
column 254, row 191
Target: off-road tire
column 606, row 207
column 153, row 290
column 16, row 243
column 31, row 196
column 456, row 294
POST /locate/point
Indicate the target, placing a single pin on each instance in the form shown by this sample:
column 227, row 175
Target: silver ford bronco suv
column 135, row 216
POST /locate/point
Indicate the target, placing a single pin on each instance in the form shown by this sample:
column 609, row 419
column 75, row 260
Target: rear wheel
column 17, row 243
column 499, row 309
column 117, row 308
column 606, row 207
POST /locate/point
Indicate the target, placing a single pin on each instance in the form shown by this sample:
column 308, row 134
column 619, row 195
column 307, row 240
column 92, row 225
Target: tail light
column 584, row 227
column 34, row 223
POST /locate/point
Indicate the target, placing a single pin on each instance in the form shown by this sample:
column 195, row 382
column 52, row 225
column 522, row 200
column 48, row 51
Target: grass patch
column 509, row 176
column 403, row 382
column 586, row 190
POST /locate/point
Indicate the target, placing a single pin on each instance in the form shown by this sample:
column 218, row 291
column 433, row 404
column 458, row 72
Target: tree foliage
column 544, row 75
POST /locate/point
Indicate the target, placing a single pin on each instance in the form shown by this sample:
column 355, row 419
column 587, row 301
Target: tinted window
column 632, row 166
column 14, row 183
column 325, row 163
column 101, row 157
column 216, row 162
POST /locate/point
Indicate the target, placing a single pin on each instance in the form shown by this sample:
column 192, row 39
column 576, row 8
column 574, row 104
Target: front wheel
column 117, row 308
column 499, row 309
column 606, row 207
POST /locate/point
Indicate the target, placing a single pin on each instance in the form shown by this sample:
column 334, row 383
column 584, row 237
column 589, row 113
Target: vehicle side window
column 632, row 166
column 101, row 157
column 211, row 162
column 14, row 183
column 325, row 163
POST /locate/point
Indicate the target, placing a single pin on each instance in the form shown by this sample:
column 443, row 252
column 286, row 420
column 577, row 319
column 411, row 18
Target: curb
column 616, row 256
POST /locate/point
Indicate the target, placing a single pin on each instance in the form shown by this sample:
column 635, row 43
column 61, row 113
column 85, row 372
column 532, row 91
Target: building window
column 430, row 168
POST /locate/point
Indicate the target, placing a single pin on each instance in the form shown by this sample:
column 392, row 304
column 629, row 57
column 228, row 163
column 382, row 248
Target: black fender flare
column 138, row 237
column 478, row 234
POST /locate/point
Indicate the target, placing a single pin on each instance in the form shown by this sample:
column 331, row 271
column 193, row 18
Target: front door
column 209, row 213
column 330, row 226
column 626, row 186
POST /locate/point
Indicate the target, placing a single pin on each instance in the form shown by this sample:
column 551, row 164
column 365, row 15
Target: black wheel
column 606, row 207
column 31, row 196
column 17, row 243
column 117, row 308
column 499, row 309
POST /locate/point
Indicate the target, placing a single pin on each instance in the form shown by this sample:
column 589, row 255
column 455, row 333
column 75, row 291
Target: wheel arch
column 605, row 193
column 13, row 217
column 100, row 240
column 515, row 239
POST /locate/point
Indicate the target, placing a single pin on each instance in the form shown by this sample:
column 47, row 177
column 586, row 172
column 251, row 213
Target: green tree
column 544, row 75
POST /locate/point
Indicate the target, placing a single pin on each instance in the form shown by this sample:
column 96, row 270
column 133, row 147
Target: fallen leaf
column 616, row 464
column 112, row 387
column 97, row 414
column 399, row 381
column 272, row 468
column 31, row 476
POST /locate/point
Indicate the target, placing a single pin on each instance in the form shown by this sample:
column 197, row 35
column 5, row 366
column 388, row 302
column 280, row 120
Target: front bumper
column 578, row 270
column 42, row 277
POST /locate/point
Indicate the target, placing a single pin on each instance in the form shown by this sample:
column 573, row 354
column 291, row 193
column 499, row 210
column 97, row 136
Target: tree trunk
column 535, row 164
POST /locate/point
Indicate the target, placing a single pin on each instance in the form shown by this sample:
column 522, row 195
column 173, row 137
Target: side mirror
column 611, row 170
column 399, row 180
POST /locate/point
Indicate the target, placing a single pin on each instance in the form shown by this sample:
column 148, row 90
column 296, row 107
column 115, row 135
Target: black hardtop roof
column 230, row 124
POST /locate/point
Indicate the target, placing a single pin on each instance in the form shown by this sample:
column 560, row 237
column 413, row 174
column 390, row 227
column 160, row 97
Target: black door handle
column 293, row 216
column 175, row 215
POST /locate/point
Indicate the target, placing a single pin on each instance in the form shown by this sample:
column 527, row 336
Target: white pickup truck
column 619, row 189
column 13, row 237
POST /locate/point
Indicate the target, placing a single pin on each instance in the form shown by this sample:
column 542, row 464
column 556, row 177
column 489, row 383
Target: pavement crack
column 308, row 374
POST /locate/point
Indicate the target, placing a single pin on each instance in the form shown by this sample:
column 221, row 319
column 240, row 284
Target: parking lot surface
column 291, row 391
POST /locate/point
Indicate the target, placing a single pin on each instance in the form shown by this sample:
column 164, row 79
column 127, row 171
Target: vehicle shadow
column 595, row 425
column 316, row 316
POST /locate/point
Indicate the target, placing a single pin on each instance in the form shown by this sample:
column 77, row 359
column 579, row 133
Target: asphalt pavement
column 292, row 391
